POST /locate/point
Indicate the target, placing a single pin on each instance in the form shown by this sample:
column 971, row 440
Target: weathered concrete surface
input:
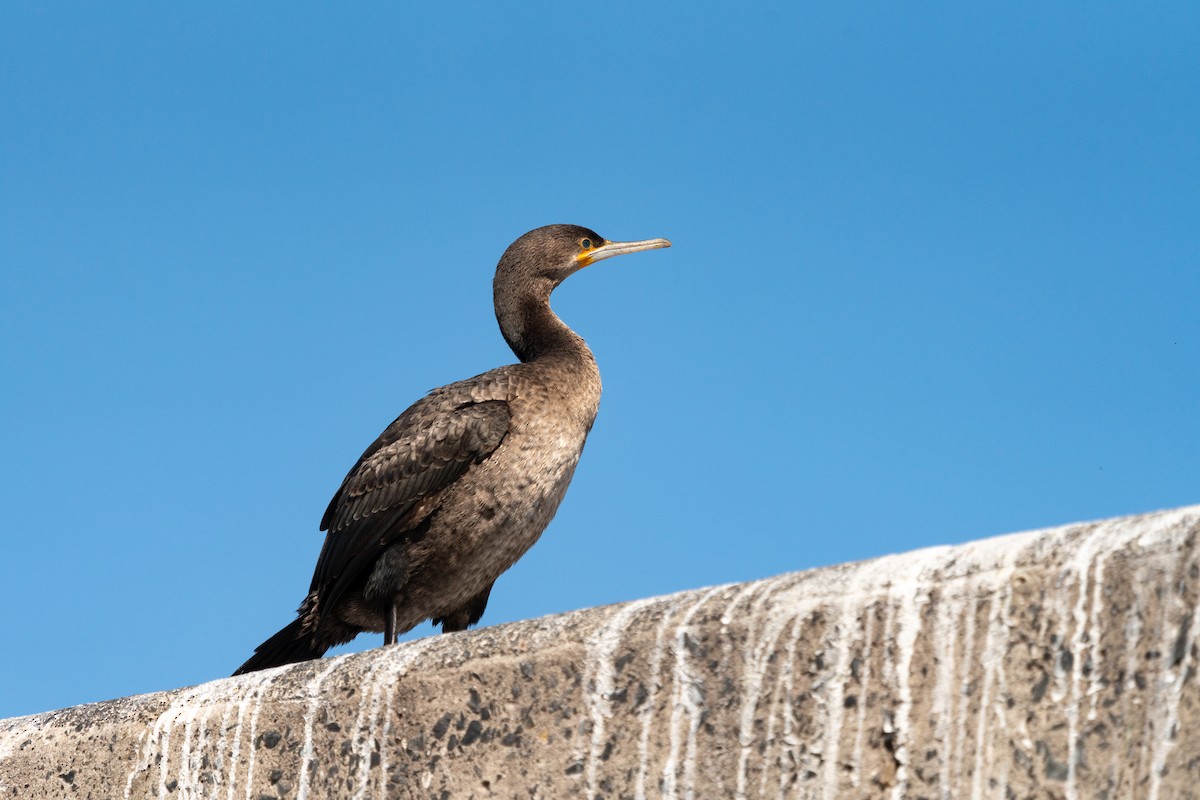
column 1057, row 663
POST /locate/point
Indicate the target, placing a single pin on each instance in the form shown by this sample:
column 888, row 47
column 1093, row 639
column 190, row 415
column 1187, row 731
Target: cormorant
column 461, row 484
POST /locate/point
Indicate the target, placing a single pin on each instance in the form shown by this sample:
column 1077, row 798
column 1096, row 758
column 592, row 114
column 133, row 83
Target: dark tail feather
column 289, row 646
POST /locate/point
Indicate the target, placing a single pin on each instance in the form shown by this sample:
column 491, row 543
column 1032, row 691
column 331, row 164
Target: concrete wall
column 1052, row 664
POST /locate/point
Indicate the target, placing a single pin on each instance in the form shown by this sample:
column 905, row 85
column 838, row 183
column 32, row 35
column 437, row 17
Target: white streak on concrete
column 1003, row 760
column 413, row 651
column 646, row 712
column 696, row 712
column 194, row 754
column 163, row 737
column 868, row 613
column 1089, row 556
column 859, row 598
column 754, row 592
column 387, row 667
column 1134, row 626
column 205, row 748
column 599, row 679
column 257, row 682
column 186, row 775
column 9, row 739
column 152, row 745
column 909, row 595
column 991, row 720
column 313, row 692
column 1155, row 731
column 377, row 688
column 760, row 642
column 1149, row 579
column 748, row 590
column 256, row 707
column 1096, row 632
column 1173, row 678
column 991, row 716
column 688, row 700
column 945, row 645
column 148, row 739
column 791, row 742
column 779, row 696
column 224, row 768
column 360, row 731
column 832, row 689
column 1078, row 567
column 957, row 754
column 1158, row 687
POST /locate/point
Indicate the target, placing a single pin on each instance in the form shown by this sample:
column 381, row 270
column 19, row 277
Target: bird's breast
column 507, row 501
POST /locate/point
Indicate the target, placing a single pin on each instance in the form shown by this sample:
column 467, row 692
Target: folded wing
column 396, row 483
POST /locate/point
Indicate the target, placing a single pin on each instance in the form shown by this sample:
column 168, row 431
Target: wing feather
column 421, row 454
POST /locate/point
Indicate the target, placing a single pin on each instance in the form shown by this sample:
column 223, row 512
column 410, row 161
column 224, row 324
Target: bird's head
column 545, row 257
column 532, row 267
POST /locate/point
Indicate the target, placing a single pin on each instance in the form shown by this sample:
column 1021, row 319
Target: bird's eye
column 586, row 244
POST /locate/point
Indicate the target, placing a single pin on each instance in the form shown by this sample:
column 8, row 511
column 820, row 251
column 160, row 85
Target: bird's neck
column 535, row 332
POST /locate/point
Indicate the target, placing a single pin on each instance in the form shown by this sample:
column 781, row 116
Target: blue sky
column 935, row 277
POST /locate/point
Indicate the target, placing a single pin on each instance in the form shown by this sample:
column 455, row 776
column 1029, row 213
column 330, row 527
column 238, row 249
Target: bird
column 464, row 482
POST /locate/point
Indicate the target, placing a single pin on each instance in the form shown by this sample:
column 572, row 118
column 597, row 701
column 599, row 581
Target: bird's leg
column 391, row 620
column 466, row 616
column 454, row 622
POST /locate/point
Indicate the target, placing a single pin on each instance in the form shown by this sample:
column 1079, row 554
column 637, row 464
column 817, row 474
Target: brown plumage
column 461, row 484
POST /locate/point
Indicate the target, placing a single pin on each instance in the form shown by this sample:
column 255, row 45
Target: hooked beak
column 610, row 249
